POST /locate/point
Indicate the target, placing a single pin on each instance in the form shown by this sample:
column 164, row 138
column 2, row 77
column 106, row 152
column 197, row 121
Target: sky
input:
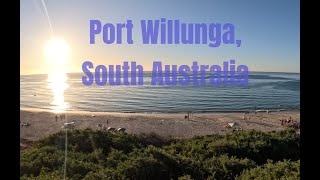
column 269, row 31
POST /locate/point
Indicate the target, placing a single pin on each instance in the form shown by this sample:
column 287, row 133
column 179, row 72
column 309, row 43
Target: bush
column 224, row 167
column 255, row 145
column 88, row 140
column 280, row 170
column 102, row 155
column 153, row 139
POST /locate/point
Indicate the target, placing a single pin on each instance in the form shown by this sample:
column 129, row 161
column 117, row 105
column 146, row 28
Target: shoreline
column 160, row 113
column 43, row 123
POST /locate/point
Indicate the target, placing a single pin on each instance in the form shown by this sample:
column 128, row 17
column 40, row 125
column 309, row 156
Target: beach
column 42, row 123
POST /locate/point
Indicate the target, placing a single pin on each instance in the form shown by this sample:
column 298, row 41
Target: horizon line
column 151, row 71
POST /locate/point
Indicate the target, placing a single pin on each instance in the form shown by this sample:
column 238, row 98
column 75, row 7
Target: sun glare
column 56, row 51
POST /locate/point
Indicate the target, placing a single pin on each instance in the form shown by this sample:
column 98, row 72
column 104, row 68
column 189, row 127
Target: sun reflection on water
column 57, row 83
column 56, row 53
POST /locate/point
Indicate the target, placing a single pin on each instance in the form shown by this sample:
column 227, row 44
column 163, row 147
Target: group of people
column 246, row 116
column 101, row 125
column 24, row 124
column 286, row 121
column 62, row 116
column 290, row 122
column 188, row 115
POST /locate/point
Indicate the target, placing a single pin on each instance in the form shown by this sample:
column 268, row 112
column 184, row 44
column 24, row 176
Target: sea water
column 272, row 91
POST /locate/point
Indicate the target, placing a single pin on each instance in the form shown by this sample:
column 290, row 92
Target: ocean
column 266, row 91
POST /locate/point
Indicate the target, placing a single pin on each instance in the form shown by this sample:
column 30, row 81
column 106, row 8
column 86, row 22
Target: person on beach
column 56, row 118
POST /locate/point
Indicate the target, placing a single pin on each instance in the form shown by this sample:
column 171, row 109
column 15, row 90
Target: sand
column 43, row 123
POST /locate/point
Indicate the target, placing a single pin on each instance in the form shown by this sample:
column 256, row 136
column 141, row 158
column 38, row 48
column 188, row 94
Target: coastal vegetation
column 98, row 154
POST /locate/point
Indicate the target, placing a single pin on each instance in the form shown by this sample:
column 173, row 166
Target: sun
column 56, row 51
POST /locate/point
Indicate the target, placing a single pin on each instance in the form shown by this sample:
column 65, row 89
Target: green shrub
column 224, row 167
column 280, row 170
column 255, row 145
column 103, row 155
